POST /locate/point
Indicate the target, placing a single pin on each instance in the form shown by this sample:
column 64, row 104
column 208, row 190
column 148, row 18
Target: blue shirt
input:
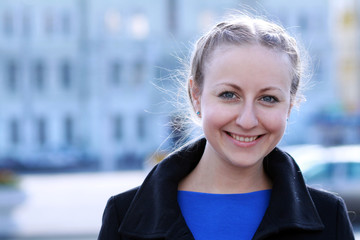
column 223, row 216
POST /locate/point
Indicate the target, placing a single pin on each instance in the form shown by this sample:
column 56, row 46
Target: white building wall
column 139, row 35
column 27, row 44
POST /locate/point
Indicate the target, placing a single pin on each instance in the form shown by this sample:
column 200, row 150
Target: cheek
column 274, row 121
column 216, row 115
column 209, row 117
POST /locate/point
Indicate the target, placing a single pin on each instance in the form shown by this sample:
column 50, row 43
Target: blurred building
column 329, row 31
column 77, row 77
column 344, row 124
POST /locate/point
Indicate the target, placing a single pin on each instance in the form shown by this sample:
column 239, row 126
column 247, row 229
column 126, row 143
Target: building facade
column 78, row 77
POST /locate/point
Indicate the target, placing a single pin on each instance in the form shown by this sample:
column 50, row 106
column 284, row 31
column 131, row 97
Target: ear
column 195, row 93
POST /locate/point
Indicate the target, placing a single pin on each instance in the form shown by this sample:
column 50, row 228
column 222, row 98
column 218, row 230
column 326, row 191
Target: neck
column 214, row 175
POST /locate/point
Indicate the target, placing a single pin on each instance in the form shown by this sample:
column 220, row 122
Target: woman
column 233, row 184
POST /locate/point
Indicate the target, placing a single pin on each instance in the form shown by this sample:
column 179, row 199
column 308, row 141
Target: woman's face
column 244, row 103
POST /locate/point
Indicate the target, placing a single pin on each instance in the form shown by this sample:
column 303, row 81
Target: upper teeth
column 243, row 139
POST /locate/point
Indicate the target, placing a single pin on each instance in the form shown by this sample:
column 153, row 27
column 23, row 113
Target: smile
column 242, row 138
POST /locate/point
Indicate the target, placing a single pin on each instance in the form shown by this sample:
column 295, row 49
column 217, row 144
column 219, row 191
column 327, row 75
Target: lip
column 244, row 140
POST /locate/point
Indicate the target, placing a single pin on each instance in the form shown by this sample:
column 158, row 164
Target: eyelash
column 225, row 95
column 273, row 99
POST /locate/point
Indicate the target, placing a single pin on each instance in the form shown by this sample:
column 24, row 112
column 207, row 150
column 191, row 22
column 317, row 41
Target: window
column 117, row 128
column 26, row 23
column 139, row 26
column 172, row 16
column 8, row 23
column 49, row 23
column 65, row 75
column 14, row 132
column 68, row 130
column 348, row 18
column 139, row 68
column 304, row 22
column 141, row 128
column 66, row 23
column 112, row 20
column 39, row 75
column 115, row 73
column 41, row 130
column 12, row 76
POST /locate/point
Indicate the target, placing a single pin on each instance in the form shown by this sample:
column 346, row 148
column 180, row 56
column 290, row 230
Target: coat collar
column 291, row 206
column 154, row 212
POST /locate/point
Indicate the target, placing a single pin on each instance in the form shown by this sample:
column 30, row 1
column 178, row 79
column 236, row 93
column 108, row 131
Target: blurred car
column 51, row 161
column 335, row 169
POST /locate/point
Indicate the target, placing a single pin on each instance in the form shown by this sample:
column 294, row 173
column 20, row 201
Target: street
column 68, row 206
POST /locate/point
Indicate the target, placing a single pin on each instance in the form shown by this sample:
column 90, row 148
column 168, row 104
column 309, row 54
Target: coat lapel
column 154, row 212
column 291, row 206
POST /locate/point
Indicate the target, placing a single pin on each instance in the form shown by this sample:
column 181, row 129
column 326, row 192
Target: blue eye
column 269, row 99
column 227, row 95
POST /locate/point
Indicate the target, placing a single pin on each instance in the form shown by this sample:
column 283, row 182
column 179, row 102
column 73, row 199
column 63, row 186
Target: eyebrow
column 230, row 85
column 271, row 88
column 240, row 89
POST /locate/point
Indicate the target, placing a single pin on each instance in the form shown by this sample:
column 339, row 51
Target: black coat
column 295, row 211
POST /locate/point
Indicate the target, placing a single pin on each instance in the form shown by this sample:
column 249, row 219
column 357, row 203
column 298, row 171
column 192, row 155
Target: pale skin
column 244, row 104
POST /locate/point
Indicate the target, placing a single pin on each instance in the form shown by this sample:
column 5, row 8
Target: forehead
column 248, row 48
column 247, row 63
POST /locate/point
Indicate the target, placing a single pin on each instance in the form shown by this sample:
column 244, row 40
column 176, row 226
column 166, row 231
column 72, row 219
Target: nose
column 247, row 118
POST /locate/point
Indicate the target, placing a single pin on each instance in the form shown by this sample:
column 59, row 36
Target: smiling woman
column 245, row 101
column 234, row 183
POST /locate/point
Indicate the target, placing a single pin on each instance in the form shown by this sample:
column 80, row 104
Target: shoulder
column 326, row 202
column 333, row 212
column 120, row 203
column 323, row 195
column 115, row 210
column 126, row 196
